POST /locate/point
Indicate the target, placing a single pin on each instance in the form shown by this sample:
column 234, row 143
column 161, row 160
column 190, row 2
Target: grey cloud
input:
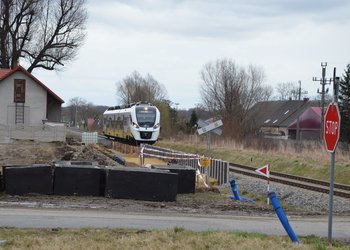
column 223, row 18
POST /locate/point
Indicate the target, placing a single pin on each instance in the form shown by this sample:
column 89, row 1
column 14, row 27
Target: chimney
column 15, row 64
column 306, row 99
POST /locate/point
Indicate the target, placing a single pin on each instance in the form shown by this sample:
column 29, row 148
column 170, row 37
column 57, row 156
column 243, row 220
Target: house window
column 275, row 121
column 268, row 120
column 20, row 90
column 286, row 112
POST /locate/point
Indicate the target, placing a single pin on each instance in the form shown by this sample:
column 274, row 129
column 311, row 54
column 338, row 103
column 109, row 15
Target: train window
column 112, row 123
column 119, row 123
column 126, row 120
column 146, row 116
column 105, row 122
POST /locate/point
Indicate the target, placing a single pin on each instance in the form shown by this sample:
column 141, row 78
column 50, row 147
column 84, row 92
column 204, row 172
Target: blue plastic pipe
column 280, row 213
column 235, row 192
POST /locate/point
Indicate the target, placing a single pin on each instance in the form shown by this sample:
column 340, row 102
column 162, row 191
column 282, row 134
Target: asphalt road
column 52, row 218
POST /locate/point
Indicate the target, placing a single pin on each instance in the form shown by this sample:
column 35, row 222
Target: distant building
column 279, row 119
column 309, row 124
column 26, row 100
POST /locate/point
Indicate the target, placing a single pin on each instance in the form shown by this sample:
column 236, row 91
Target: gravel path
column 311, row 201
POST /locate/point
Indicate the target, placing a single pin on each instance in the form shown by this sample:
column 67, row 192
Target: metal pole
column 331, row 178
column 298, row 129
column 208, row 144
column 268, row 184
column 208, row 152
column 323, row 80
column 75, row 117
column 330, row 204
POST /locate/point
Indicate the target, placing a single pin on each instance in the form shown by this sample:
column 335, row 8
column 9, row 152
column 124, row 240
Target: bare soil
column 204, row 201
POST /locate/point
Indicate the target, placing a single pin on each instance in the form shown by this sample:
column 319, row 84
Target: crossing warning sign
column 264, row 170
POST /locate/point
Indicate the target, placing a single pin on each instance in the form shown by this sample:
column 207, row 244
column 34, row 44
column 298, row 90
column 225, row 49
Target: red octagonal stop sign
column 331, row 126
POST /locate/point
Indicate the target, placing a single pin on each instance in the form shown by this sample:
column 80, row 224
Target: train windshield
column 146, row 116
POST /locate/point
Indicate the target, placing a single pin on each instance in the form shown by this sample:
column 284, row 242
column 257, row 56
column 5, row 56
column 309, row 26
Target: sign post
column 331, row 136
column 265, row 171
column 207, row 128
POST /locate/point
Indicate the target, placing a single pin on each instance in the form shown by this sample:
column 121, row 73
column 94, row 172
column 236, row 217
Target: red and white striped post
column 268, row 184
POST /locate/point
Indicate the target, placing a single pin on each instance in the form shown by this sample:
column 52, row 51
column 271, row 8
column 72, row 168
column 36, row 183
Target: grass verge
column 177, row 238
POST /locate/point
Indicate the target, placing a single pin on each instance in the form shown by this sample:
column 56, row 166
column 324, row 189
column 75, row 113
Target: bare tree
column 266, row 93
column 230, row 91
column 289, row 90
column 286, row 90
column 46, row 33
column 75, row 106
column 136, row 88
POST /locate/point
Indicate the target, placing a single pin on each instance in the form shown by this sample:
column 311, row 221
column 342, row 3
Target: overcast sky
column 173, row 39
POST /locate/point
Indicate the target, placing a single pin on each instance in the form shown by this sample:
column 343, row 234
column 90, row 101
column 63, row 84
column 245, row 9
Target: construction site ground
column 212, row 200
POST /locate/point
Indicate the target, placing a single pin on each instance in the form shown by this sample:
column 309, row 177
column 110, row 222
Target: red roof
column 4, row 73
column 309, row 120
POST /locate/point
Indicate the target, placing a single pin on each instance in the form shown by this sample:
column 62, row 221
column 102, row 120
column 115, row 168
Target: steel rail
column 292, row 180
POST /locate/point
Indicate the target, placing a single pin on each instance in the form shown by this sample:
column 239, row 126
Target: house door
column 19, row 99
column 20, row 91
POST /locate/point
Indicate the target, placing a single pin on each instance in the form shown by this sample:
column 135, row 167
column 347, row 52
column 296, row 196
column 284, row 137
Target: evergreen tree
column 344, row 105
column 190, row 125
column 194, row 118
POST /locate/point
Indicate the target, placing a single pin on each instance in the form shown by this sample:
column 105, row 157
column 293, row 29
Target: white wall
column 35, row 100
column 5, row 99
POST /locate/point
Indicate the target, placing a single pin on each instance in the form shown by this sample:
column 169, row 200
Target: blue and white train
column 138, row 122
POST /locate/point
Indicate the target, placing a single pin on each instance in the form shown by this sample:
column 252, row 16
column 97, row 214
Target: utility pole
column 75, row 116
column 323, row 81
column 299, row 99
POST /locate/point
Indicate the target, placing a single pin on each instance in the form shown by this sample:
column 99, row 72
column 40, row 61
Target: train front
column 145, row 123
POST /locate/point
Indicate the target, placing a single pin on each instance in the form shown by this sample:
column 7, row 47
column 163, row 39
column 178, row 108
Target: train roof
column 129, row 105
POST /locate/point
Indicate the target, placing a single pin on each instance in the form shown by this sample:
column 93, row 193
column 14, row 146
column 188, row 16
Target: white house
column 26, row 100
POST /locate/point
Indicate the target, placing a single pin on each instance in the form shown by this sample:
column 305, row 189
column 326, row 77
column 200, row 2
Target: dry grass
column 177, row 238
column 134, row 160
column 314, row 150
column 308, row 159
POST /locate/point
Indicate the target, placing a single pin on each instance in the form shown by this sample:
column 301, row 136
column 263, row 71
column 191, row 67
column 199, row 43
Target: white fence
column 45, row 133
column 218, row 169
column 89, row 138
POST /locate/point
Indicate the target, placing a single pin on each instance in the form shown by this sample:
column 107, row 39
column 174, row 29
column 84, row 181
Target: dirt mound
column 31, row 152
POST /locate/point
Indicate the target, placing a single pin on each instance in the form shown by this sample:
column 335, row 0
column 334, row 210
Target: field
column 178, row 238
column 309, row 159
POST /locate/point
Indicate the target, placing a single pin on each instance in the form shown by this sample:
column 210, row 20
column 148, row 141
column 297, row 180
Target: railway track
column 292, row 180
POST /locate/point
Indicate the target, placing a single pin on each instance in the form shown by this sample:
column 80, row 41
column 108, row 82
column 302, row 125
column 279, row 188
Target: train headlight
column 156, row 126
column 135, row 125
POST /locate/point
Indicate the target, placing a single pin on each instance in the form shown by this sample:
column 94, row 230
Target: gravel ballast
column 311, row 201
